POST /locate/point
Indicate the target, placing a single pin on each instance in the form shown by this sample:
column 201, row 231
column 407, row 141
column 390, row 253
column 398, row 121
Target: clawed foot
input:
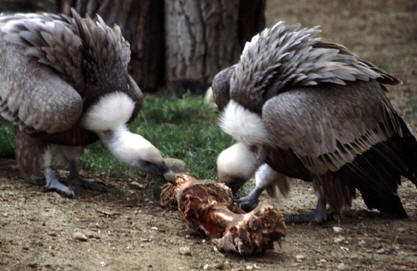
column 78, row 182
column 52, row 184
column 305, row 218
column 247, row 203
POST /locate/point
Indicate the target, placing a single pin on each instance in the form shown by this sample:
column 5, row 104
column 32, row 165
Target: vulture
column 305, row 108
column 64, row 84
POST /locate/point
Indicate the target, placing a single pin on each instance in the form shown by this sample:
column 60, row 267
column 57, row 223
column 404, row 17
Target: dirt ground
column 125, row 229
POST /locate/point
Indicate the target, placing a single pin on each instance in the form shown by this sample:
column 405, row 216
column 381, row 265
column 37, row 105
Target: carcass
column 208, row 209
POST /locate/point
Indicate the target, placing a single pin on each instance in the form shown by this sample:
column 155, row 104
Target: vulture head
column 236, row 165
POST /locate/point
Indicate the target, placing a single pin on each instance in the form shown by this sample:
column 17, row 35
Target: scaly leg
column 264, row 177
column 318, row 216
column 75, row 179
column 52, row 182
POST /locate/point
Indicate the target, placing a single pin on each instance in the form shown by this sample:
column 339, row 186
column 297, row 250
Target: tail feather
column 377, row 172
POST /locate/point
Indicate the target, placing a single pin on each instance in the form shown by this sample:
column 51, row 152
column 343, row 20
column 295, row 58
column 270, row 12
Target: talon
column 79, row 182
column 247, row 203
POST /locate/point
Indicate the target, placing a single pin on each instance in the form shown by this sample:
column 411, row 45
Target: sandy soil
column 125, row 229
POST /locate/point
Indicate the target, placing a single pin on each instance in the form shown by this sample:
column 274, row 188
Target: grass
column 180, row 127
column 6, row 139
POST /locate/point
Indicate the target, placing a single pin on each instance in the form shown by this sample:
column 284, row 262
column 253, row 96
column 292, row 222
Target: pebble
column 249, row 267
column 136, row 185
column 380, row 251
column 338, row 239
column 401, row 229
column 299, row 257
column 186, row 250
column 92, row 234
column 342, row 266
column 206, row 267
column 219, row 266
column 79, row 236
column 337, row 229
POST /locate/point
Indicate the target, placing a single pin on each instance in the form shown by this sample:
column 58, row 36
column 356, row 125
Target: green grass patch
column 6, row 139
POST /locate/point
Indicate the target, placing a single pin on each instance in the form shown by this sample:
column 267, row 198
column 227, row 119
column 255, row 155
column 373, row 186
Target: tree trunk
column 141, row 22
column 202, row 37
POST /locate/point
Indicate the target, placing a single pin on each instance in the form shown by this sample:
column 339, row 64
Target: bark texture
column 141, row 22
column 202, row 37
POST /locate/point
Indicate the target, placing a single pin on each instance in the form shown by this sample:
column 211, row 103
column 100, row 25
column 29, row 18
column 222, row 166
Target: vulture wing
column 221, row 87
column 281, row 58
column 329, row 126
column 40, row 66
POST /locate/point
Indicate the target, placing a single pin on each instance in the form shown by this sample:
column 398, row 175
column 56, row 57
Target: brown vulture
column 309, row 109
column 64, row 83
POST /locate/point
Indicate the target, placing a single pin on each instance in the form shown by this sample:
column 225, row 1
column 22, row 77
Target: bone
column 208, row 209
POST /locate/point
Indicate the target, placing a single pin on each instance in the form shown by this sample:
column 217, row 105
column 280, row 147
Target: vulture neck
column 123, row 144
column 108, row 118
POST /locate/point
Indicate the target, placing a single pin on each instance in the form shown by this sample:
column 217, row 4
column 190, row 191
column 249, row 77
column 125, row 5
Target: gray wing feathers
column 45, row 104
column 48, row 38
column 221, row 87
column 40, row 110
column 327, row 128
column 105, row 45
column 283, row 57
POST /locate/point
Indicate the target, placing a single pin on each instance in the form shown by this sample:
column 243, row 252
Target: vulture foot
column 74, row 179
column 52, row 184
column 318, row 216
column 305, row 218
column 250, row 202
column 78, row 182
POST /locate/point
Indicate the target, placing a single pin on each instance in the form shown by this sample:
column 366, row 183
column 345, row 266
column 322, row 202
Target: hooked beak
column 167, row 173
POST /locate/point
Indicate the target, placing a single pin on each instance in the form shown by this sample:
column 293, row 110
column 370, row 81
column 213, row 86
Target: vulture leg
column 75, row 179
column 318, row 216
column 250, row 202
column 52, row 182
column 265, row 178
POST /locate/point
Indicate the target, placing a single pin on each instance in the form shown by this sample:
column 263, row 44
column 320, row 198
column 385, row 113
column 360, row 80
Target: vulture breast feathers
column 291, row 92
column 54, row 67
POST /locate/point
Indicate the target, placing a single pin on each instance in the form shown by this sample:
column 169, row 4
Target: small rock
column 154, row 228
column 342, row 266
column 401, row 229
column 361, row 242
column 206, row 267
column 186, row 250
column 323, row 260
column 337, row 229
column 219, row 266
column 338, row 239
column 92, row 234
column 299, row 257
column 136, row 185
column 380, row 251
column 249, row 267
column 79, row 236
